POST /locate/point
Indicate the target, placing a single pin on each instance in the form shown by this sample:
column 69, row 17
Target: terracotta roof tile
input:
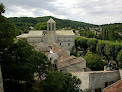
column 116, row 87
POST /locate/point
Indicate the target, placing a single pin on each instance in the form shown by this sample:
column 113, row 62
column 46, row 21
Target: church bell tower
column 51, row 24
column 49, row 35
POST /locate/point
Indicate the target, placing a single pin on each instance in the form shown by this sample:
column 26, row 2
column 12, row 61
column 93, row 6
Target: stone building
column 96, row 81
column 65, row 38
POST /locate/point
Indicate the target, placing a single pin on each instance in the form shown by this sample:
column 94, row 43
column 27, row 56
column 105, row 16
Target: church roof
column 51, row 21
column 35, row 33
column 64, row 32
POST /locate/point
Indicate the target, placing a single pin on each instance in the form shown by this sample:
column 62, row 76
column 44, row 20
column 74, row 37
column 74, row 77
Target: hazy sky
column 90, row 11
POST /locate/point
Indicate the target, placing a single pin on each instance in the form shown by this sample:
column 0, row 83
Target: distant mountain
column 24, row 23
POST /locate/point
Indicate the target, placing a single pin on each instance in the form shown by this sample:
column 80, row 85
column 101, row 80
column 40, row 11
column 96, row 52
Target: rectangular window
column 50, row 59
column 60, row 43
column 52, row 26
column 106, row 84
column 68, row 44
column 98, row 90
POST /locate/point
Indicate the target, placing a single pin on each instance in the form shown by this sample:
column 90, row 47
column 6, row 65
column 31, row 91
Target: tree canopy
column 94, row 62
column 20, row 62
column 41, row 26
column 2, row 8
column 22, row 59
column 7, row 33
column 61, row 82
column 106, row 49
column 119, row 58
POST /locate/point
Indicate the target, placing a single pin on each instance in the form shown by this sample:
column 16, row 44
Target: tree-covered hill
column 25, row 22
column 114, row 26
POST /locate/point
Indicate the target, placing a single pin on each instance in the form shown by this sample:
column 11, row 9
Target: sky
column 89, row 11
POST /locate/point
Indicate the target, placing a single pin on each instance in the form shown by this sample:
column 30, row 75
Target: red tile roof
column 116, row 87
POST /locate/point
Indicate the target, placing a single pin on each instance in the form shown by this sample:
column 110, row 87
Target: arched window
column 49, row 26
column 52, row 26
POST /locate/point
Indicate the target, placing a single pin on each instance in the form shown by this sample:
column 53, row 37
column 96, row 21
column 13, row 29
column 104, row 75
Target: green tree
column 7, row 33
column 119, row 58
column 41, row 26
column 87, row 33
column 111, row 50
column 76, row 43
column 109, row 33
column 83, row 44
column 100, row 48
column 108, row 51
column 117, row 48
column 94, row 62
column 57, row 81
column 92, row 43
column 2, row 8
column 21, row 61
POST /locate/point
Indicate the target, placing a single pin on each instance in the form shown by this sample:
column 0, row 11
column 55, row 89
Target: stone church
column 64, row 38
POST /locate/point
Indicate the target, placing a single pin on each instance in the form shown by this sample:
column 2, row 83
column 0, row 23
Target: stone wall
column 84, row 77
column 53, row 57
column 96, row 79
column 34, row 39
column 1, row 81
column 49, row 37
column 120, row 71
column 99, row 79
column 67, row 42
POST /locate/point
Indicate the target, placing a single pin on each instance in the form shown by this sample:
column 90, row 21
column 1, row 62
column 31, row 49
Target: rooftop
column 23, row 36
column 116, row 87
column 64, row 32
column 101, row 71
column 35, row 33
column 43, row 47
column 69, row 61
column 51, row 21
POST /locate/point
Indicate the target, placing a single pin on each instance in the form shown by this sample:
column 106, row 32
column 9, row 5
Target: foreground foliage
column 7, row 33
column 21, row 61
column 57, row 81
